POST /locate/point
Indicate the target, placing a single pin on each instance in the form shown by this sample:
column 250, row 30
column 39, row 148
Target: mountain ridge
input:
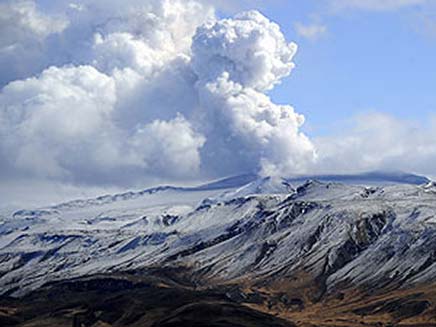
column 239, row 181
column 267, row 246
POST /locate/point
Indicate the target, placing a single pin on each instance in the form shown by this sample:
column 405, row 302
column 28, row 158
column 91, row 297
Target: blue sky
column 366, row 60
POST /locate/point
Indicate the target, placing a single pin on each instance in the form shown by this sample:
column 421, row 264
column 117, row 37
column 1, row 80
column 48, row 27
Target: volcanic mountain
column 335, row 250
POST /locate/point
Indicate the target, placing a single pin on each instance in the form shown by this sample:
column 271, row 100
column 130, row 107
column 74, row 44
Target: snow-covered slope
column 369, row 178
column 338, row 233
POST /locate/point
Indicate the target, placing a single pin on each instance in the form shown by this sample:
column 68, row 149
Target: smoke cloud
column 100, row 92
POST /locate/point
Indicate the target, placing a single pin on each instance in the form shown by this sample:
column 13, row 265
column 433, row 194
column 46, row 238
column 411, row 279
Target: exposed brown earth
column 143, row 299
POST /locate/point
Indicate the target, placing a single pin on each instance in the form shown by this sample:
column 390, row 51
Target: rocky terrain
column 245, row 251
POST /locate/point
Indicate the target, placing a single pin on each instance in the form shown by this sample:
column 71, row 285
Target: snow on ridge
column 353, row 227
column 247, row 184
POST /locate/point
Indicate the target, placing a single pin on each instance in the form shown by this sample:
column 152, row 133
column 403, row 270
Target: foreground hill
column 244, row 251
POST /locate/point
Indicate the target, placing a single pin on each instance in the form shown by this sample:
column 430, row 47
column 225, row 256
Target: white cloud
column 421, row 14
column 380, row 141
column 61, row 125
column 24, row 32
column 243, row 123
column 376, row 5
column 237, row 60
column 310, row 31
column 154, row 89
column 163, row 28
column 169, row 146
column 51, row 122
column 250, row 48
column 21, row 21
